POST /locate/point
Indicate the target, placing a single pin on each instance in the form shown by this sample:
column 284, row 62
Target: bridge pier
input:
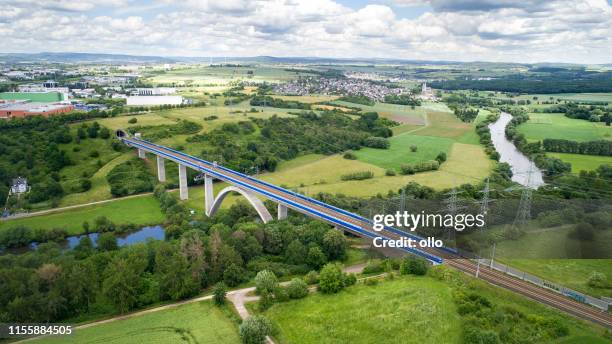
column 209, row 196
column 141, row 152
column 161, row 169
column 282, row 212
column 183, row 191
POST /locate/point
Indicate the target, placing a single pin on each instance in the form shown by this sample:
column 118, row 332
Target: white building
column 154, row 100
column 155, row 91
column 20, row 185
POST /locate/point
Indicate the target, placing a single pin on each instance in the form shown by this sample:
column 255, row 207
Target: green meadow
column 556, row 126
column 581, row 162
column 399, row 152
column 193, row 323
column 405, row 310
column 141, row 210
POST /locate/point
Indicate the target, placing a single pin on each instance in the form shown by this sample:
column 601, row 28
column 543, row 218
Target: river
column 149, row 232
column 519, row 163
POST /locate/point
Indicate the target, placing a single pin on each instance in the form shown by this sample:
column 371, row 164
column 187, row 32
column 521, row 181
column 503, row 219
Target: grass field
column 405, row 310
column 137, row 210
column 190, row 324
column 556, row 126
column 399, row 152
column 571, row 273
column 399, row 113
column 466, row 164
column 582, row 162
column 408, row 310
column 87, row 158
column 100, row 190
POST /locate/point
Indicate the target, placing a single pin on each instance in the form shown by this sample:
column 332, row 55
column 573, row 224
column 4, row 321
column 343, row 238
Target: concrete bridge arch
column 261, row 209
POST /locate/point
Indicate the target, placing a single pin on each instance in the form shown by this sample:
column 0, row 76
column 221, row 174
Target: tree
column 266, row 281
column 316, row 258
column 107, row 242
column 331, row 279
column 219, row 293
column 233, row 275
column 334, row 244
column 174, row 274
column 295, row 252
column 120, row 285
column 254, row 330
column 297, row 288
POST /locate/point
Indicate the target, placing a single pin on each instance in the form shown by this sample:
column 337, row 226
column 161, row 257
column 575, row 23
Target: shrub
column 297, row 288
column 265, row 301
column 316, row 258
column 312, row 277
column 376, row 142
column 133, row 120
column 597, row 280
column 413, row 148
column 473, row 335
column 107, row 242
column 413, row 266
column 389, row 173
column 281, row 294
column 219, row 293
column 350, row 156
column 349, row 280
column 357, row 175
column 407, row 169
column 441, row 157
column 371, row 281
column 374, row 266
column 265, row 281
column 254, row 330
column 331, row 279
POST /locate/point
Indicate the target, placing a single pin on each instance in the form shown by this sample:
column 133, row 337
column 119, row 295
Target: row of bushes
column 357, row 175
column 420, row 167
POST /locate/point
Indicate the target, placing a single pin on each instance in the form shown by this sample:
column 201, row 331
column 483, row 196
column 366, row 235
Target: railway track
column 492, row 276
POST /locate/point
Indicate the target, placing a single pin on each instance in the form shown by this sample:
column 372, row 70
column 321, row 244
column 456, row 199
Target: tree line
column 599, row 147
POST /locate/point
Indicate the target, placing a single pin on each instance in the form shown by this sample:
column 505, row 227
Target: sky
column 573, row 31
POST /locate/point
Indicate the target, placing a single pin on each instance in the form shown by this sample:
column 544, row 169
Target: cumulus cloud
column 501, row 30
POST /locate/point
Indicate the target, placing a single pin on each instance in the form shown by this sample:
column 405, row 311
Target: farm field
column 571, row 273
column 385, row 309
column 585, row 97
column 400, row 113
column 141, row 210
column 582, row 162
column 399, row 152
column 556, row 126
column 218, row 76
column 192, row 323
column 465, row 164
